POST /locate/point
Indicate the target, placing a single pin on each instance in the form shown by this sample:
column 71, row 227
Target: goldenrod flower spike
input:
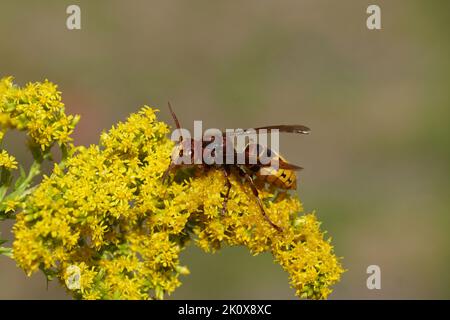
column 107, row 221
column 37, row 110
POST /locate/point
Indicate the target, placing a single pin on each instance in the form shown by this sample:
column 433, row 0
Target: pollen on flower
column 36, row 109
column 7, row 161
column 108, row 213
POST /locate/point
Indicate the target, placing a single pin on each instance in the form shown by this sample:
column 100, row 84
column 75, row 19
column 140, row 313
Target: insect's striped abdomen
column 281, row 178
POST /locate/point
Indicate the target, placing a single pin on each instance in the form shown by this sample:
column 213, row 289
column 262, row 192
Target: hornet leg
column 226, row 174
column 258, row 200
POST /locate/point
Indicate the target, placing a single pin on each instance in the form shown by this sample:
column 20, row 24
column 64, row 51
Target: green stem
column 24, row 188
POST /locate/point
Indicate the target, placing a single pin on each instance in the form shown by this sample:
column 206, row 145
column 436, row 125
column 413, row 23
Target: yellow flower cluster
column 108, row 214
column 300, row 249
column 36, row 109
column 7, row 161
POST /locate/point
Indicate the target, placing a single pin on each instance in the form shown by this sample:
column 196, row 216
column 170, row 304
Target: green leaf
column 6, row 251
column 23, row 189
column 22, row 177
column 5, row 177
column 3, row 190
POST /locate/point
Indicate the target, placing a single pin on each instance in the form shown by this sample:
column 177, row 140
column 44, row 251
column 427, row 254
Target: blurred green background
column 378, row 102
